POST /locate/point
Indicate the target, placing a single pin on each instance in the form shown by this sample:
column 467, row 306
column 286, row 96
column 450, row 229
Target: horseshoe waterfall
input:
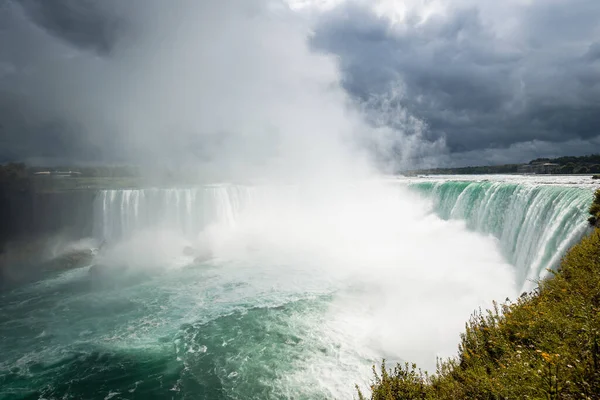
column 259, row 291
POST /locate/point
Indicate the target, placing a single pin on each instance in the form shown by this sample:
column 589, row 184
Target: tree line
column 565, row 165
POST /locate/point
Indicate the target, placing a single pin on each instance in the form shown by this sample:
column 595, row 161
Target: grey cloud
column 475, row 87
column 43, row 48
column 231, row 89
column 84, row 23
column 107, row 80
column 593, row 53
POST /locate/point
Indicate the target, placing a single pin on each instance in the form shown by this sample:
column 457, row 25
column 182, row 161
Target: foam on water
column 305, row 288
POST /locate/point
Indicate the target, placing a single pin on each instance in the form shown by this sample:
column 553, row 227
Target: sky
column 431, row 82
column 500, row 81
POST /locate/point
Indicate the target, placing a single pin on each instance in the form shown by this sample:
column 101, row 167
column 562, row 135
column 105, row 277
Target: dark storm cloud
column 226, row 89
column 43, row 46
column 103, row 80
column 84, row 23
column 69, row 69
column 476, row 85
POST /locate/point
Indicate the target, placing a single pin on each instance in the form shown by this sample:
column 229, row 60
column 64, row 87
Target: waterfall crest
column 120, row 213
column 534, row 224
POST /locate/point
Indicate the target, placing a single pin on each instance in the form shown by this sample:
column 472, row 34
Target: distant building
column 539, row 168
column 525, row 169
column 549, row 168
column 66, row 173
column 57, row 173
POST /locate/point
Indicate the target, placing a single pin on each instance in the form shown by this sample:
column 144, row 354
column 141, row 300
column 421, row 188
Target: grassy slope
column 546, row 345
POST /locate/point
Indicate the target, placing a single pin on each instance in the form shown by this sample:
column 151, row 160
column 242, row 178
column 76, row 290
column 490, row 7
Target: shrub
column 544, row 345
column 595, row 209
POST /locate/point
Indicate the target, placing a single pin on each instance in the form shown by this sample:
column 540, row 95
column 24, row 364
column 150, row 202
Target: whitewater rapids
column 305, row 288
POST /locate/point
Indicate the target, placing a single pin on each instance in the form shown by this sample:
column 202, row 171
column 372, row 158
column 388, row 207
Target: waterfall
column 188, row 211
column 120, row 213
column 535, row 224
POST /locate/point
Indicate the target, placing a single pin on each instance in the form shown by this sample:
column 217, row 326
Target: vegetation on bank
column 471, row 170
column 562, row 165
column 590, row 160
column 545, row 345
column 103, row 171
column 594, row 220
column 20, row 177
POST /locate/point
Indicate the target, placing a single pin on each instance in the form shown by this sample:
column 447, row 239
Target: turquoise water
column 534, row 223
column 155, row 323
column 293, row 297
column 194, row 332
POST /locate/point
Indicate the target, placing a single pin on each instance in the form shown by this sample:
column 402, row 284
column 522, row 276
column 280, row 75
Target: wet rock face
column 33, row 258
column 35, row 224
column 73, row 259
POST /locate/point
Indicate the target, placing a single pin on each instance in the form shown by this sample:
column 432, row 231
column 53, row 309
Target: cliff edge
column 544, row 345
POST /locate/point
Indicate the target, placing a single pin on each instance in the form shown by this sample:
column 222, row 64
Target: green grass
column 545, row 345
column 595, row 210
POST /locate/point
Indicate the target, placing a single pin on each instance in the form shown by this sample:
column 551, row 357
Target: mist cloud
column 232, row 88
